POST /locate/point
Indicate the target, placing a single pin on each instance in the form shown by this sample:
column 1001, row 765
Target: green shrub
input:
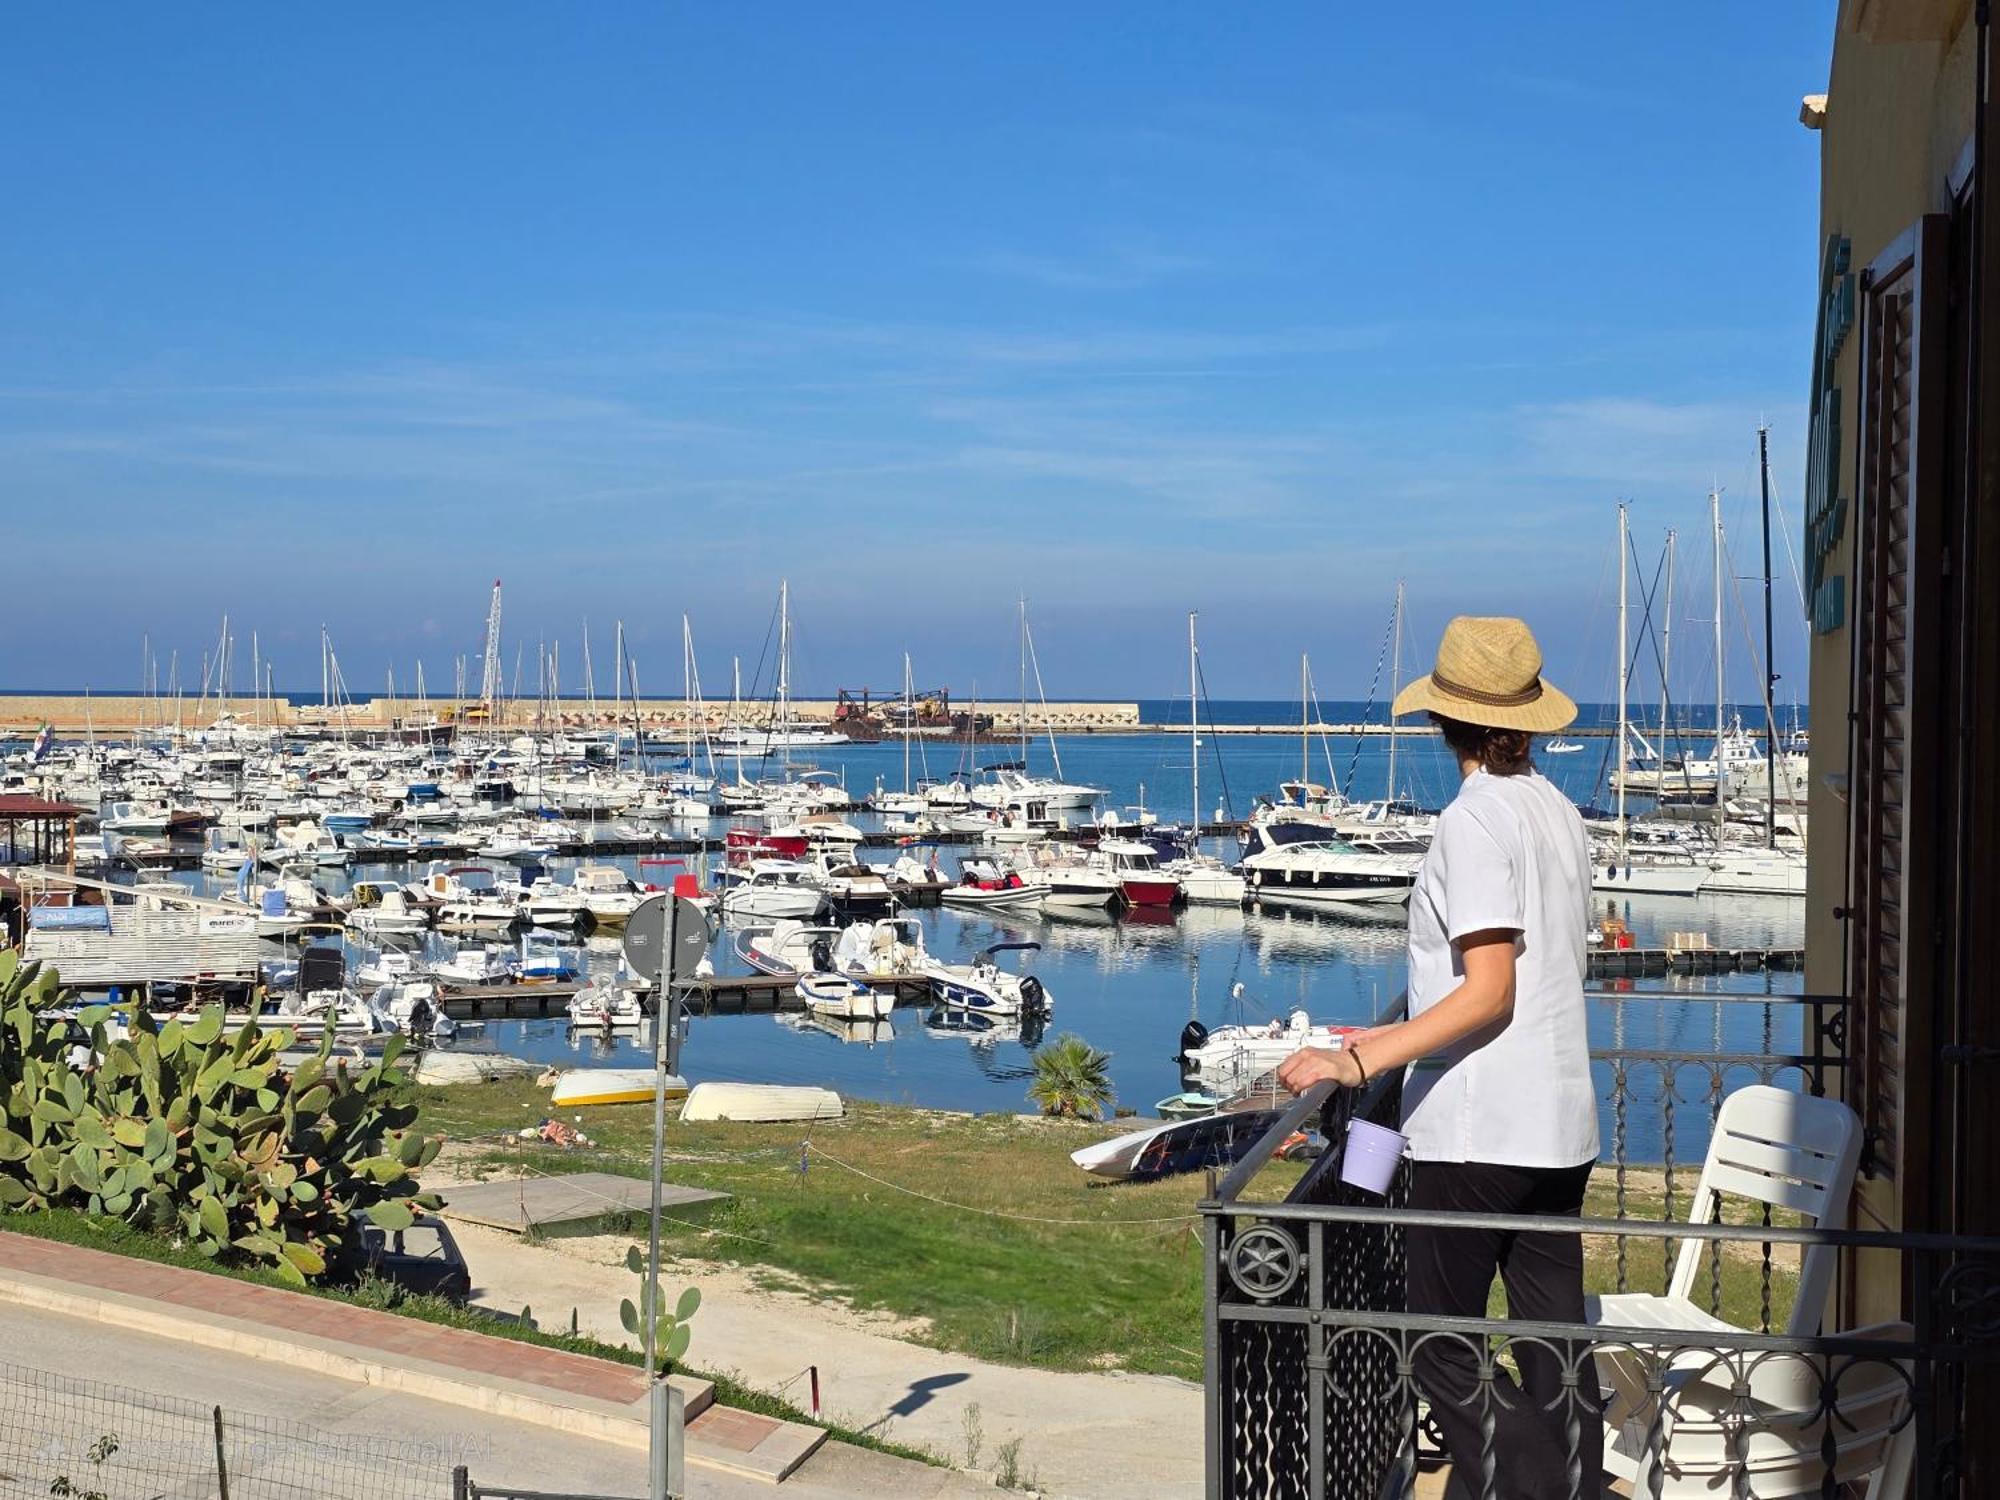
column 191, row 1128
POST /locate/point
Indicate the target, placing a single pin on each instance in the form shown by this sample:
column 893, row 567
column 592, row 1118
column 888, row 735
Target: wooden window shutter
column 1898, row 653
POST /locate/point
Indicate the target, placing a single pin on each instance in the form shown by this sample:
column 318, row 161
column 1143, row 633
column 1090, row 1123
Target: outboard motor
column 1192, row 1036
column 1034, row 998
column 822, row 955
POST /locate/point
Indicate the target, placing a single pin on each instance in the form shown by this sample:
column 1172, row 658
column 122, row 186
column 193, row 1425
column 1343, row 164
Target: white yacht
column 1310, row 867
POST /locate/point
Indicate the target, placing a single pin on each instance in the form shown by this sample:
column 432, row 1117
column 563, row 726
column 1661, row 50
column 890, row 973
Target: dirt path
column 1084, row 1435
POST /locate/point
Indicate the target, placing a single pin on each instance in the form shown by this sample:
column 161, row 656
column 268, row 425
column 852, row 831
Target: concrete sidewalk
column 505, row 1378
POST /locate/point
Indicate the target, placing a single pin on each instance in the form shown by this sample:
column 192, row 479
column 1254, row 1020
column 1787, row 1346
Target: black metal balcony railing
column 1313, row 1386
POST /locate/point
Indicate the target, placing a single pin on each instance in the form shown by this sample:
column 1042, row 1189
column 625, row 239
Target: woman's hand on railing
column 1311, row 1065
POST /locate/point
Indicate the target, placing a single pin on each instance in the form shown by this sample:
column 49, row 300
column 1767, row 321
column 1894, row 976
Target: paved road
column 496, row 1451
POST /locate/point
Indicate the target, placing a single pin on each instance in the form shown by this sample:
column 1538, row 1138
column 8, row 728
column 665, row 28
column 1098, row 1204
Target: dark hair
column 1503, row 752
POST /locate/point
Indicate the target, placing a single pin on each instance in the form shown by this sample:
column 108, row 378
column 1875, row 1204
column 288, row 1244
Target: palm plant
column 1071, row 1078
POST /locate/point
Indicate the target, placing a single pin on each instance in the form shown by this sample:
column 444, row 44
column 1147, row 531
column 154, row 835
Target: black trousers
column 1451, row 1271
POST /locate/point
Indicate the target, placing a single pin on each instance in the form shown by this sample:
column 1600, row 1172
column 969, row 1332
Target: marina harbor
column 944, row 753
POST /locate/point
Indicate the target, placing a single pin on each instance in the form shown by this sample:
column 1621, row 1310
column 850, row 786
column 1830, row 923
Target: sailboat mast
column 1721, row 769
column 1770, row 664
column 1024, row 682
column 909, row 713
column 1667, row 641
column 1194, row 736
column 1395, row 687
column 1305, row 727
column 1623, row 570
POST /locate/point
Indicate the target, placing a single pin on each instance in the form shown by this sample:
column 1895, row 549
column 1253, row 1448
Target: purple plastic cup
column 1372, row 1156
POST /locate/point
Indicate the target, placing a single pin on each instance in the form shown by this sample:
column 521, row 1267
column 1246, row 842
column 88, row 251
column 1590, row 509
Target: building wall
column 1898, row 114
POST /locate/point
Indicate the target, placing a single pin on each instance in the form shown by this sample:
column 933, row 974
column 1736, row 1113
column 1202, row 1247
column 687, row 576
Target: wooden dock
column 1633, row 963
column 720, row 995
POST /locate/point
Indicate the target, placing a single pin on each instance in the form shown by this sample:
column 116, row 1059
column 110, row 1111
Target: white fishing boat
column 984, row 988
column 1228, row 1058
column 382, row 907
column 1066, row 876
column 848, row 884
column 770, row 888
column 843, row 997
column 479, row 964
column 609, row 894
column 605, row 1003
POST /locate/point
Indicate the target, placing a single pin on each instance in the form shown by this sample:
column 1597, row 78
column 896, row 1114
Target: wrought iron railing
column 1316, row 1370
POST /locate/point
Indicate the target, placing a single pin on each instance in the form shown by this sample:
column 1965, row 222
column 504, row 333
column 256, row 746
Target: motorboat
column 1066, row 877
column 549, row 903
column 469, row 899
column 479, row 964
column 848, row 884
column 982, row 883
column 543, row 960
column 1137, row 866
column 842, row 997
column 609, row 894
column 1309, row 866
column 1206, row 880
column 1229, row 1058
column 1658, row 871
column 603, row 1003
column 517, row 844
column 382, row 907
column 788, row 946
column 770, row 888
column 984, row 988
column 1189, row 1104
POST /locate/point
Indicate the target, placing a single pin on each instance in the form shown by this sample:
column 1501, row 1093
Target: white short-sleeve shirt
column 1509, row 852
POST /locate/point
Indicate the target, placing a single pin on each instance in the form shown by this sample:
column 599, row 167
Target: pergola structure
column 36, row 831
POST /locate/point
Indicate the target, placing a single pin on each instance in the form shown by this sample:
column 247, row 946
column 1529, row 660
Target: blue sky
column 335, row 315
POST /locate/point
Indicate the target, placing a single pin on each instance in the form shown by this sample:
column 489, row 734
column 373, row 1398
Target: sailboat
column 1666, row 871
column 780, row 733
column 1203, row 878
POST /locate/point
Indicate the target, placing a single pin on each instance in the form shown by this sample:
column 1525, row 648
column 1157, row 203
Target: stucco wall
column 1898, row 116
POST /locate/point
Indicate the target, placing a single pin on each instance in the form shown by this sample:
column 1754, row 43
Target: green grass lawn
column 980, row 1225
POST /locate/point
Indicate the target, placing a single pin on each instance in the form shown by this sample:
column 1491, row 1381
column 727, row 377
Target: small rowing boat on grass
column 581, row 1087
column 1184, row 1146
column 760, row 1103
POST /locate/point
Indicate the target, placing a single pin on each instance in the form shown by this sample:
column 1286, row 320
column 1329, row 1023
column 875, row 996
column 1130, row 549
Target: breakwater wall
column 74, row 714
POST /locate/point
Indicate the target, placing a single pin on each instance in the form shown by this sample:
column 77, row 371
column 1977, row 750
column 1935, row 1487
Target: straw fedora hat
column 1489, row 671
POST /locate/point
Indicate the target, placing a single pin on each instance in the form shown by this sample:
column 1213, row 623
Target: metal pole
column 221, row 1463
column 1770, row 673
column 660, row 1413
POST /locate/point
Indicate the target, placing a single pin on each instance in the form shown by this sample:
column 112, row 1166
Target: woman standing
column 1498, row 1103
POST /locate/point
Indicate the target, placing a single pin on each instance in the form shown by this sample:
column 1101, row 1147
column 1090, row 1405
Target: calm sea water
column 1128, row 986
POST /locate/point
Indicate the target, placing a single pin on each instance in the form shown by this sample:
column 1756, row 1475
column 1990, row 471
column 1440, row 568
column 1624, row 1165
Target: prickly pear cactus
column 197, row 1129
column 672, row 1344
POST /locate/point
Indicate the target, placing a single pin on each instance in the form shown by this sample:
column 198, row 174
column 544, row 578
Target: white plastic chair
column 1791, row 1151
column 1776, row 1437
